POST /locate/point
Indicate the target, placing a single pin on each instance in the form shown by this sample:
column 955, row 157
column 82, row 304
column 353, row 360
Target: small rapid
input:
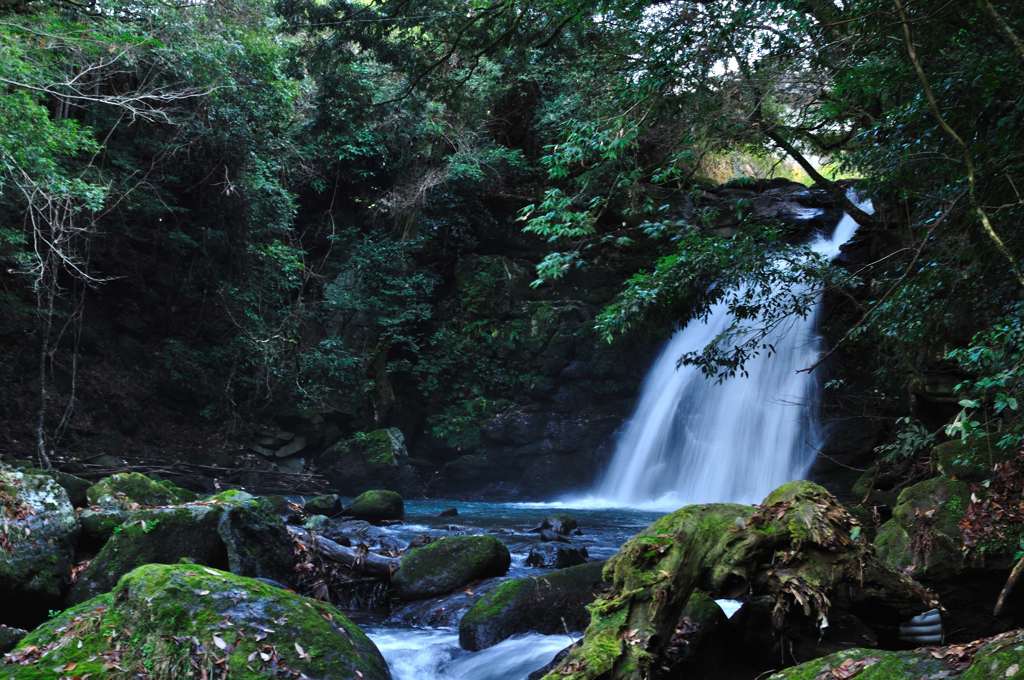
column 430, row 654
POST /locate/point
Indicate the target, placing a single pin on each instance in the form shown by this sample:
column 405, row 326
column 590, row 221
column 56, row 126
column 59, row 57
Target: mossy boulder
column 232, row 530
column 958, row 460
column 166, row 622
column 377, row 505
column 923, row 536
column 98, row 525
column 327, row 504
column 800, row 554
column 38, row 527
column 134, row 490
column 448, row 564
column 1000, row 657
column 256, row 540
column 365, row 459
column 552, row 603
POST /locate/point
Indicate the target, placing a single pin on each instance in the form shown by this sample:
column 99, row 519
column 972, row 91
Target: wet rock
column 329, row 504
column 449, row 512
column 554, row 556
column 556, row 527
column 551, row 603
column 377, row 505
column 799, row 551
column 37, row 535
column 191, row 621
column 441, row 612
column 447, row 564
column 133, row 490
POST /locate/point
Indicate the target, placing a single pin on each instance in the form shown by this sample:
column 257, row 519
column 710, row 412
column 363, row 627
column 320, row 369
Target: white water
column 422, row 654
column 692, row 440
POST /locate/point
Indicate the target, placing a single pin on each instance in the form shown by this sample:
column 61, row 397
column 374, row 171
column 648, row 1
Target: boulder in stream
column 553, row 603
column 189, row 621
column 377, row 505
column 799, row 555
column 447, row 564
column 556, row 555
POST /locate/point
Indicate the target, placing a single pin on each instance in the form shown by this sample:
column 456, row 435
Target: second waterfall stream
column 695, row 440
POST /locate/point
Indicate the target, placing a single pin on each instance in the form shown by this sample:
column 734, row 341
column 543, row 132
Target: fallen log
column 358, row 560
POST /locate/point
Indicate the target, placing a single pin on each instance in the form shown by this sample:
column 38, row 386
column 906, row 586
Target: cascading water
column 693, row 440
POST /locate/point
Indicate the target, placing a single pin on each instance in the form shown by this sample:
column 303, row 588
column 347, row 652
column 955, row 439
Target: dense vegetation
column 309, row 207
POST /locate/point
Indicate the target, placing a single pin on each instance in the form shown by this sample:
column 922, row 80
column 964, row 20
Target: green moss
column 378, row 504
column 1001, row 657
column 448, row 564
column 923, row 535
column 165, row 621
column 494, row 602
column 132, row 490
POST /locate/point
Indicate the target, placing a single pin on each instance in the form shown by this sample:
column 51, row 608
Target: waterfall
column 694, row 440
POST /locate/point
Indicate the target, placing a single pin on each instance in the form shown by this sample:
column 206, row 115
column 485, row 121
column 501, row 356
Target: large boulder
column 133, row 490
column 1000, row 657
column 447, row 564
column 923, row 536
column 552, row 603
column 232, row 530
column 188, row 621
column 799, row 555
column 377, row 505
column 366, row 459
column 38, row 527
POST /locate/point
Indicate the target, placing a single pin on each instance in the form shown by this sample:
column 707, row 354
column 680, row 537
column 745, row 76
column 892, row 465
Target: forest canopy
column 284, row 193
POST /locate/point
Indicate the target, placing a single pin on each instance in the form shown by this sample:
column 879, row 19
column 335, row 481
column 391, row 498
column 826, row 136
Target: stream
column 689, row 440
column 429, row 649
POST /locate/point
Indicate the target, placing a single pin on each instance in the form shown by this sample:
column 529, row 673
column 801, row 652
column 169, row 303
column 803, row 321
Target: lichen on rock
column 38, row 527
column 133, row 490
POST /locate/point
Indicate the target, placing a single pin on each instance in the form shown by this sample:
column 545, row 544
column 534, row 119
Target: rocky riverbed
column 153, row 581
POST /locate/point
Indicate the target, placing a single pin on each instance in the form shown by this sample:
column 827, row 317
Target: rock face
column 1001, row 656
column 181, row 621
column 132, row 490
column 799, row 557
column 448, row 564
column 37, row 535
column 232, row 530
column 551, row 603
column 377, row 505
